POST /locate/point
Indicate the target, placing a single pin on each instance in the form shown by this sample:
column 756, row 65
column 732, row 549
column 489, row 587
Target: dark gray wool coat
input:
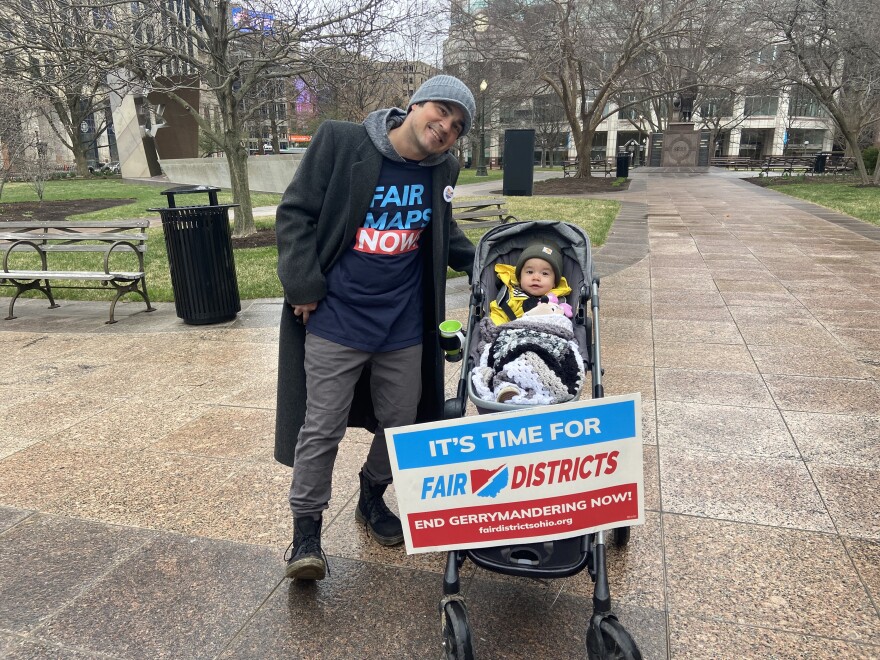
column 316, row 223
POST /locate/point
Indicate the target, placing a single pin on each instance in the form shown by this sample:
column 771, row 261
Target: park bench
column 788, row 165
column 604, row 165
column 486, row 212
column 840, row 165
column 734, row 162
column 28, row 250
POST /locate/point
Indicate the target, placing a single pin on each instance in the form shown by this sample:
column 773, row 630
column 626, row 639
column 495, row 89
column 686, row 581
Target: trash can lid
column 183, row 190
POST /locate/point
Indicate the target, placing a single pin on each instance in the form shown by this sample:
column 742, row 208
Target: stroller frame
column 606, row 638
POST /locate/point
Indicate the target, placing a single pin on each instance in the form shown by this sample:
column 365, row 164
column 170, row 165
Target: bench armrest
column 129, row 244
column 23, row 242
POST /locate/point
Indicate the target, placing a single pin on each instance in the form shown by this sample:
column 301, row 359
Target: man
column 365, row 234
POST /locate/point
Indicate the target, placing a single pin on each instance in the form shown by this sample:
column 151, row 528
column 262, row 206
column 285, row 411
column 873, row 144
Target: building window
column 802, row 103
column 766, row 55
column 804, row 140
column 761, row 106
column 716, row 103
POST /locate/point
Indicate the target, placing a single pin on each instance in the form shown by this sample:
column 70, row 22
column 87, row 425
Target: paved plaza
column 143, row 516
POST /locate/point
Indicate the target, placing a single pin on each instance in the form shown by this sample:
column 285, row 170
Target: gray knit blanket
column 537, row 356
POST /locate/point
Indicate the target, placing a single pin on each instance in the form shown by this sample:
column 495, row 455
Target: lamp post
column 641, row 119
column 481, row 161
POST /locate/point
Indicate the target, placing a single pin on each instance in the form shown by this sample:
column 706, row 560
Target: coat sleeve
column 296, row 222
column 461, row 250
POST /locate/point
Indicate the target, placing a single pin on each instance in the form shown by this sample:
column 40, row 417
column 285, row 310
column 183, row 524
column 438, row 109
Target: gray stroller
column 606, row 638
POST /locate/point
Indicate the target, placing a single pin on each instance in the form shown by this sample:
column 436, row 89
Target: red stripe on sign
column 387, row 241
column 521, row 520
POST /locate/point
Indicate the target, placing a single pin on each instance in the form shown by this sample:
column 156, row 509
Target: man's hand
column 303, row 311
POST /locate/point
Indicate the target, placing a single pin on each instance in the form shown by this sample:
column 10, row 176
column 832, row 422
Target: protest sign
column 534, row 474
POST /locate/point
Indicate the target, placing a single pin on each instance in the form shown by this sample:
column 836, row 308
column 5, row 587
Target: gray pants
column 332, row 370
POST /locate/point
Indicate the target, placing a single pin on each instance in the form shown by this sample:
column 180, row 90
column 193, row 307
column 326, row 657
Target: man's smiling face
column 431, row 128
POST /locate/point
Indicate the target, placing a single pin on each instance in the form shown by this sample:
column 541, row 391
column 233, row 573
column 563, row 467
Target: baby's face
column 537, row 277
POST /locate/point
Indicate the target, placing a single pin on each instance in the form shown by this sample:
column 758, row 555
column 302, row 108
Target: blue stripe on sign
column 490, row 438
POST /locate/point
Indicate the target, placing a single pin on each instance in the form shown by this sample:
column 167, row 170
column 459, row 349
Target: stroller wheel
column 456, row 632
column 621, row 536
column 607, row 639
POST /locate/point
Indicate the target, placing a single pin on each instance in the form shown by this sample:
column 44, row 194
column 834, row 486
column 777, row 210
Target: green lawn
column 846, row 197
column 255, row 267
column 145, row 196
column 592, row 215
column 470, row 175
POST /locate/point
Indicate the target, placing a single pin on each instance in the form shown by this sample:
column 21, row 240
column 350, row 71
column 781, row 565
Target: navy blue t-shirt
column 374, row 291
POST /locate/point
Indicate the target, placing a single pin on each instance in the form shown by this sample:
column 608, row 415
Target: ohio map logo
column 488, row 483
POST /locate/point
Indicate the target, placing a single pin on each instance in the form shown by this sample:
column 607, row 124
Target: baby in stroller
column 527, row 352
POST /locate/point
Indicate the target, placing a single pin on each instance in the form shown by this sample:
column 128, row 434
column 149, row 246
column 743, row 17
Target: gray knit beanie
column 452, row 90
column 546, row 250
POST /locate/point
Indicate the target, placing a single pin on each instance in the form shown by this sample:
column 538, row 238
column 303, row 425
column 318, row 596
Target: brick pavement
column 142, row 515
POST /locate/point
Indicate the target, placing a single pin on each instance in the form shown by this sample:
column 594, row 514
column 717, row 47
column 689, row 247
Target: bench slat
column 87, row 224
column 67, row 275
column 478, row 202
column 71, row 248
column 482, row 209
column 77, row 236
column 478, row 215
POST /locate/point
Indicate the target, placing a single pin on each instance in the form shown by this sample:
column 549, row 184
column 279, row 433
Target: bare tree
column 229, row 50
column 47, row 47
column 349, row 85
column 18, row 112
column 830, row 49
column 587, row 52
column 714, row 59
column 548, row 118
column 36, row 166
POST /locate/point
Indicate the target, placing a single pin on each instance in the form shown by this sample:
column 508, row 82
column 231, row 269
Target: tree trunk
column 237, row 157
column 583, row 153
column 79, row 157
column 71, row 116
column 853, row 143
column 76, row 148
column 273, row 128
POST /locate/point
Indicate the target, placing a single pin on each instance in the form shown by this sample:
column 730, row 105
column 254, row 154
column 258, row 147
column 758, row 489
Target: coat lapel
column 439, row 233
column 364, row 174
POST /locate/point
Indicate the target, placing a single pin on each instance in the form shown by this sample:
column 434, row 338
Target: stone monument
column 681, row 143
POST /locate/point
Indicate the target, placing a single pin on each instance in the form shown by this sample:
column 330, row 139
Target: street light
column 481, row 161
column 641, row 119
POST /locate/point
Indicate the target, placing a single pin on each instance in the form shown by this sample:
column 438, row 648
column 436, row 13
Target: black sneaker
column 372, row 511
column 306, row 560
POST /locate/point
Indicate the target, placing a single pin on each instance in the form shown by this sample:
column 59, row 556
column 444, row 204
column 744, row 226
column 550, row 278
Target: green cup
column 451, row 338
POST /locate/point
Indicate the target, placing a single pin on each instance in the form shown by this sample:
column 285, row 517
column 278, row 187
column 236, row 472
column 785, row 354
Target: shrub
column 869, row 155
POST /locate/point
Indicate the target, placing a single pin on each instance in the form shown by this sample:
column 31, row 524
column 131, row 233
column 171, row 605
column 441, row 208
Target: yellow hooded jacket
column 511, row 294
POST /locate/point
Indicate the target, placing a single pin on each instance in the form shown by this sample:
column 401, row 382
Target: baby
column 537, row 273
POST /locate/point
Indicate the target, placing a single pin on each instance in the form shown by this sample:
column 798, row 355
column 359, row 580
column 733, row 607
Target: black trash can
column 519, row 161
column 623, row 165
column 200, row 257
column 819, row 163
